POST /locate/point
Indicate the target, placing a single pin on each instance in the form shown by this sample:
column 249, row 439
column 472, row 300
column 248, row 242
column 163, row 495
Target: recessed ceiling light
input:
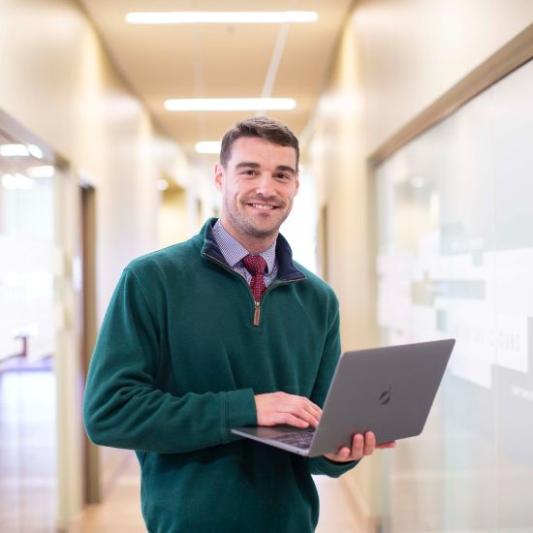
column 208, row 147
column 44, row 171
column 17, row 182
column 221, row 17
column 20, row 150
column 35, row 151
column 14, row 150
column 229, row 104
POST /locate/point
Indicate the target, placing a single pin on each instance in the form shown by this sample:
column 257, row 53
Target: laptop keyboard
column 299, row 439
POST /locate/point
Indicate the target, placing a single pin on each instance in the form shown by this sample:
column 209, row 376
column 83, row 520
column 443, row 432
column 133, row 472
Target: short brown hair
column 263, row 127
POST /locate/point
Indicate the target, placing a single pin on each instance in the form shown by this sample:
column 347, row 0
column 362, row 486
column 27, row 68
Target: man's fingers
column 291, row 420
column 344, row 452
column 370, row 443
column 305, row 409
column 313, row 410
column 313, row 407
column 284, row 408
column 308, row 405
column 301, row 414
column 315, row 417
column 361, row 445
column 357, row 446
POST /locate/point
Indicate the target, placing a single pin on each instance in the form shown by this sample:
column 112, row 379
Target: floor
column 120, row 511
column 27, row 447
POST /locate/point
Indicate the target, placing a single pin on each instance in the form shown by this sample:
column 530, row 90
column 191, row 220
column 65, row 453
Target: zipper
column 257, row 313
column 257, row 305
column 256, row 320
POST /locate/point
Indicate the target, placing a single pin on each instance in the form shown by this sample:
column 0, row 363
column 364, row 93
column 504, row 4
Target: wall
column 412, row 51
column 464, row 271
column 173, row 217
column 336, row 155
column 394, row 58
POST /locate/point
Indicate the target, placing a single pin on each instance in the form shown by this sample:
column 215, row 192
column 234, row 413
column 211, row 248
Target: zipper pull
column 257, row 313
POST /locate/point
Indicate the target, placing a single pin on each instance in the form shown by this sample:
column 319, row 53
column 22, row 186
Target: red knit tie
column 256, row 265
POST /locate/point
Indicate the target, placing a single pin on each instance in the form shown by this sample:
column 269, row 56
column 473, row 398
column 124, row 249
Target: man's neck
column 253, row 245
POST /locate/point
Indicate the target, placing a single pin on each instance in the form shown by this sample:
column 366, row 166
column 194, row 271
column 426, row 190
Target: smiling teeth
column 262, row 206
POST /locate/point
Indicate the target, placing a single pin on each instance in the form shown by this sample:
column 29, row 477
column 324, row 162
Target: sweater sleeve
column 330, row 357
column 122, row 406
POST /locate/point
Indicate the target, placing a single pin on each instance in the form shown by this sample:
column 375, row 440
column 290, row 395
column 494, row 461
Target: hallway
column 413, row 125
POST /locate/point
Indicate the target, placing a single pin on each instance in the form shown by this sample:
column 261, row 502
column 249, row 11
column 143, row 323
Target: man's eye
column 249, row 172
column 283, row 176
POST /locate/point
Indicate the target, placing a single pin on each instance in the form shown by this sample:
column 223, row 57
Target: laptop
column 387, row 390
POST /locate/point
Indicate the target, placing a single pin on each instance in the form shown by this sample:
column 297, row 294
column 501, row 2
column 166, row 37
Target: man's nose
column 265, row 185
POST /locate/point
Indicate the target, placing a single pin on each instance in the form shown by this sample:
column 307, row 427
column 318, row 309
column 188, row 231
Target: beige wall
column 58, row 82
column 412, row 51
column 173, row 217
column 395, row 57
column 337, row 157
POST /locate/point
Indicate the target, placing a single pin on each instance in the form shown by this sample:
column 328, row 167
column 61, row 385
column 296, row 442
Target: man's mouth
column 264, row 206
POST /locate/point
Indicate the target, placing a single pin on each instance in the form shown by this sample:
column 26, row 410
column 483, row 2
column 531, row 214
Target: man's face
column 258, row 187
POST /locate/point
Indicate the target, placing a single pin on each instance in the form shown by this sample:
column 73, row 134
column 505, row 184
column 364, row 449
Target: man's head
column 258, row 178
column 263, row 128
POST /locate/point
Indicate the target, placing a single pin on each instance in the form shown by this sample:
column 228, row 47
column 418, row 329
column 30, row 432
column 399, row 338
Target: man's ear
column 218, row 171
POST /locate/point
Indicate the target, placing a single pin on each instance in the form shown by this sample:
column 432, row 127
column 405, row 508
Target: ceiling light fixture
column 20, row 150
column 207, row 147
column 229, row 104
column 221, row 17
column 35, row 151
column 17, row 182
column 44, row 171
column 14, row 150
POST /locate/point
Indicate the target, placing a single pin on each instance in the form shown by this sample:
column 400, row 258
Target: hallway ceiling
column 220, row 60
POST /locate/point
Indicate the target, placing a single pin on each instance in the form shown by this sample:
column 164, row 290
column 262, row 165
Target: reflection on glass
column 456, row 260
column 27, row 343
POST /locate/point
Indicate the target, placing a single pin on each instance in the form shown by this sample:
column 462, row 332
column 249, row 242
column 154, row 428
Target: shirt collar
column 233, row 251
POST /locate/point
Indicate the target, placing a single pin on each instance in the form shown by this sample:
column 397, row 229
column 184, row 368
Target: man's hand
column 282, row 408
column 361, row 445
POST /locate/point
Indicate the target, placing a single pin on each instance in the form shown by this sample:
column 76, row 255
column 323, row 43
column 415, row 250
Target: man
column 221, row 331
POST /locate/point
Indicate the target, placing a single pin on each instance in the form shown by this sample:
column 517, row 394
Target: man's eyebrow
column 252, row 164
column 247, row 164
column 286, row 168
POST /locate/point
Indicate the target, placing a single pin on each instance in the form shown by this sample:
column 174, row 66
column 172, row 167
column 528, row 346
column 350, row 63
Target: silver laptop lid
column 387, row 390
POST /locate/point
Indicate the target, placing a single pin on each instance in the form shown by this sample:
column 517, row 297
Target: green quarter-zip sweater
column 181, row 353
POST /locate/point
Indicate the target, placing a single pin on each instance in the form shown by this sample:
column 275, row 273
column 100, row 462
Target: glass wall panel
column 455, row 259
column 28, row 476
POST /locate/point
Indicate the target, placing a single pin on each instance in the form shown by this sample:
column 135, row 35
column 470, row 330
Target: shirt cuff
column 240, row 410
column 322, row 465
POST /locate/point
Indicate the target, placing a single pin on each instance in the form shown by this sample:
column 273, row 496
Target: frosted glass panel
column 455, row 219
column 28, row 451
column 26, row 256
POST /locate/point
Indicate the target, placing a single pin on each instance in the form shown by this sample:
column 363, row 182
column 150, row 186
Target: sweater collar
column 287, row 270
column 234, row 252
